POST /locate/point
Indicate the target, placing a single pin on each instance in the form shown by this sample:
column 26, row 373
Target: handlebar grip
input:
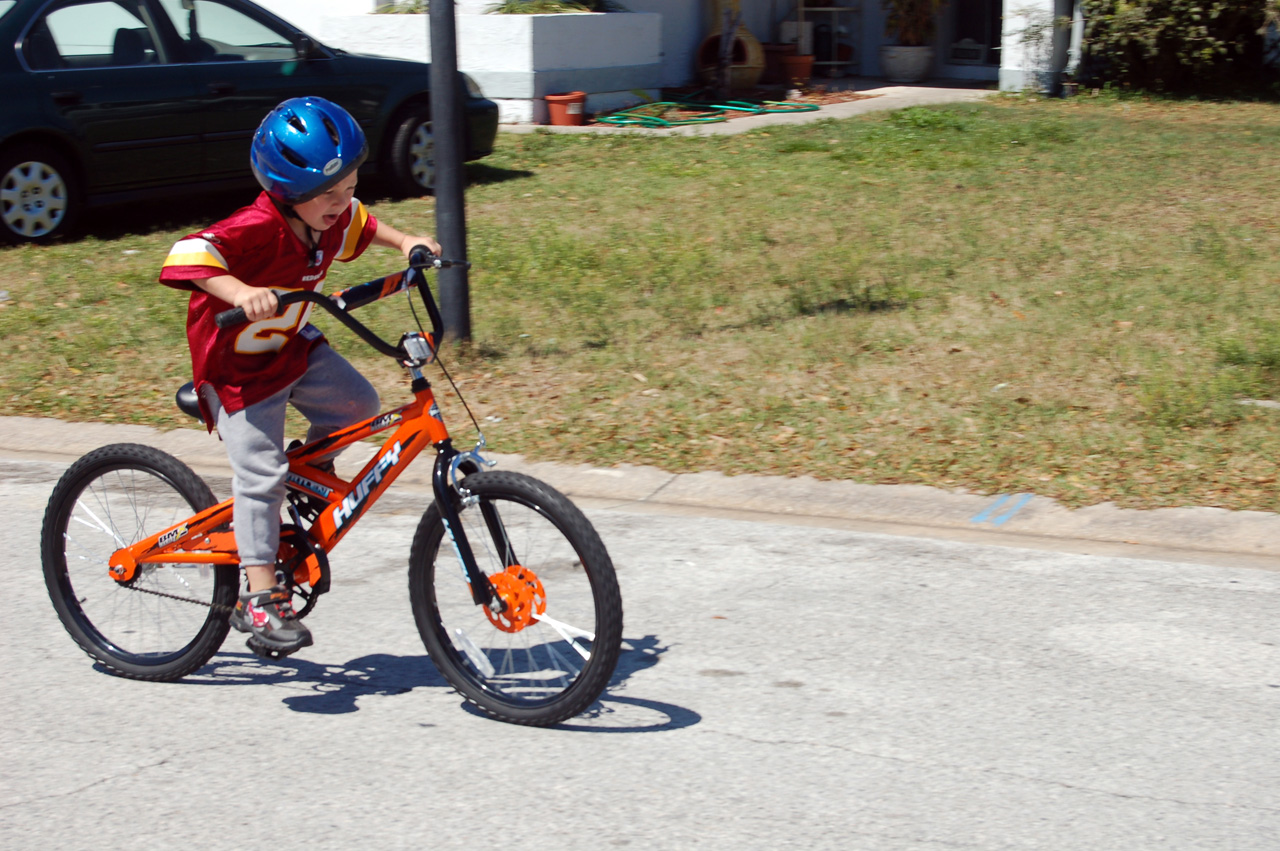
column 421, row 257
column 231, row 318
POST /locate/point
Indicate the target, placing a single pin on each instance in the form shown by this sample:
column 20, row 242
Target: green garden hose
column 652, row 115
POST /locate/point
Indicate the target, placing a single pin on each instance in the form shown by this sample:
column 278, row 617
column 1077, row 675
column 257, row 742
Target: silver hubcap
column 422, row 156
column 33, row 199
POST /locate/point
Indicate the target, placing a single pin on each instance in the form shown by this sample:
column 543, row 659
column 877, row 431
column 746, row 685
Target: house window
column 975, row 32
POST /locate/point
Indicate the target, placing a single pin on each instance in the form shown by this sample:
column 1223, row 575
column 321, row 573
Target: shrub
column 1178, row 45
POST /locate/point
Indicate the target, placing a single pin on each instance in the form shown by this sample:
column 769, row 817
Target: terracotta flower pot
column 567, row 109
column 797, row 69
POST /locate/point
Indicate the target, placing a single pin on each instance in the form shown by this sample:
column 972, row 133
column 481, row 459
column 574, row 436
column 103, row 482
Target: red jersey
column 248, row 363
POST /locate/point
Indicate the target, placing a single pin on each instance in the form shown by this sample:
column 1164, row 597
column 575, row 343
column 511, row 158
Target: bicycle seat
column 188, row 401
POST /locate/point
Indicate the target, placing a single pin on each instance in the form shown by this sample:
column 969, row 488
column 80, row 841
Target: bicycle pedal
column 270, row 653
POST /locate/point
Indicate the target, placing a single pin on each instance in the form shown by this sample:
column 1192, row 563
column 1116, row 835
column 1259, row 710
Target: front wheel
column 169, row 619
column 552, row 652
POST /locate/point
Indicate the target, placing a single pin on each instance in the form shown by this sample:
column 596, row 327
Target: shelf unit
column 846, row 14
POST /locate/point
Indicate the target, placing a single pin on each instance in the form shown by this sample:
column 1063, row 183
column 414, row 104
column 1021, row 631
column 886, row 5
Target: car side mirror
column 306, row 47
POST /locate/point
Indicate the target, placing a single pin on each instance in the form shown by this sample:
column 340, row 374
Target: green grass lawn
column 1070, row 298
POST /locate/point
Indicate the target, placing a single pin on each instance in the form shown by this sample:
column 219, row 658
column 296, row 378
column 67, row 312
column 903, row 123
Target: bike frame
column 206, row 537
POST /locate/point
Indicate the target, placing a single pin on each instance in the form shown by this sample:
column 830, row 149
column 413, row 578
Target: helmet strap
column 314, row 255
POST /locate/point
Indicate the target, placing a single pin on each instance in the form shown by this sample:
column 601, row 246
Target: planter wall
column 519, row 59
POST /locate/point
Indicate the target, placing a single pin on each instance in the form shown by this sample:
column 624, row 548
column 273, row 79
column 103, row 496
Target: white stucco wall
column 397, row 36
column 518, row 59
column 307, row 14
column 682, row 32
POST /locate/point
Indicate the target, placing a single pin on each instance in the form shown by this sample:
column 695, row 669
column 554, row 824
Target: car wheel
column 411, row 159
column 38, row 198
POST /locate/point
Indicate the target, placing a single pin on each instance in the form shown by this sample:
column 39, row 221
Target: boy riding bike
column 305, row 154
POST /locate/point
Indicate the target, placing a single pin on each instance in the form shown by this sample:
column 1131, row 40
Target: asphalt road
column 782, row 686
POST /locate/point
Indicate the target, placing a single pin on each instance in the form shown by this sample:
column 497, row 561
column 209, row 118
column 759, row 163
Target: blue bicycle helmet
column 305, row 146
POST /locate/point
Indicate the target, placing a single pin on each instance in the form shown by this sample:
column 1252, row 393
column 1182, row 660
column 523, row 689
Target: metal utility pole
column 447, row 128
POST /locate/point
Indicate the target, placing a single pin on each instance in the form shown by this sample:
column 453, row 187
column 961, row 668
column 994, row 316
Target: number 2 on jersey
column 268, row 336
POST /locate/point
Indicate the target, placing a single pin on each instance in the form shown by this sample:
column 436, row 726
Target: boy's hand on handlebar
column 411, row 242
column 257, row 303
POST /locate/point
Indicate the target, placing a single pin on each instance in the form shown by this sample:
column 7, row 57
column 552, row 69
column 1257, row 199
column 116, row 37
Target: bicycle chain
column 217, row 607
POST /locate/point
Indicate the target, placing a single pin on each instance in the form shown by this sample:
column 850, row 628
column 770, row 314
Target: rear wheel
column 111, row 498
column 38, row 194
column 411, row 158
column 552, row 652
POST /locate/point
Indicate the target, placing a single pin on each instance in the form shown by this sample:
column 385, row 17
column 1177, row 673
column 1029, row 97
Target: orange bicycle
column 520, row 609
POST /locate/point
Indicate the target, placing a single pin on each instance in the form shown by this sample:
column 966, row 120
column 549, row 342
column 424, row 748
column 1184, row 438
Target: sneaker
column 268, row 616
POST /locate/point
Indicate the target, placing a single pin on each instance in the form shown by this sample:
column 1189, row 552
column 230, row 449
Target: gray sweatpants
column 331, row 395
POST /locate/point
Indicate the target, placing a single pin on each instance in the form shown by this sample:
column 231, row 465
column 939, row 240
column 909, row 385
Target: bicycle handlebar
column 341, row 303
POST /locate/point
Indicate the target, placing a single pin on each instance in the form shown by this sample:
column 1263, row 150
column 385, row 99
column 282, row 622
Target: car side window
column 91, row 34
column 214, row 32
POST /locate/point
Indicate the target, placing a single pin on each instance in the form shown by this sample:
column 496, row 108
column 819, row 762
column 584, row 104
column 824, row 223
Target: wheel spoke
column 548, row 655
column 474, row 653
column 146, row 627
column 568, row 633
column 98, row 524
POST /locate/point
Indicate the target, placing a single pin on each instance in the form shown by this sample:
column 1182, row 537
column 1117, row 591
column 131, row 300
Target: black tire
column 536, row 675
column 117, row 496
column 411, row 157
column 39, row 195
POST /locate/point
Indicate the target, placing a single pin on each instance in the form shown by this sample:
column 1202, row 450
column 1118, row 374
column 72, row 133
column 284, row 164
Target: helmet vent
column 292, row 156
column 332, row 128
column 296, row 122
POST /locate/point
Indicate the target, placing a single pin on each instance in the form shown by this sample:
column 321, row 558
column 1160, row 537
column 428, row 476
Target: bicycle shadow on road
column 329, row 689
column 322, row 688
column 615, row 713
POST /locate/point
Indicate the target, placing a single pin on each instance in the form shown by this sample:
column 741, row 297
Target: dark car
column 115, row 100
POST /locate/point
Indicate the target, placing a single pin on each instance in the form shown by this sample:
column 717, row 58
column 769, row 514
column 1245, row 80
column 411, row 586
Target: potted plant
column 912, row 24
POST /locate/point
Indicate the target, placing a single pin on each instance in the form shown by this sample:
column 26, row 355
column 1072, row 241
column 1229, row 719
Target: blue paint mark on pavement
column 986, row 514
column 982, row 516
column 1022, row 500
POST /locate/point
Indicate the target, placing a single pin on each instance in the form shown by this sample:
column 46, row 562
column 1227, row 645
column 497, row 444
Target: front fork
column 449, row 462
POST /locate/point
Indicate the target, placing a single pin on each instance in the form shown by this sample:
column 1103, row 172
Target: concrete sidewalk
column 881, row 96
column 1201, row 535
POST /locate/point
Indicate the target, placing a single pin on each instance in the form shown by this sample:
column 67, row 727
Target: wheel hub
column 422, row 154
column 32, row 199
column 522, row 592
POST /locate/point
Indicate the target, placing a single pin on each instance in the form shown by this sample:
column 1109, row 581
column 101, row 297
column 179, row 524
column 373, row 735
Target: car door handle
column 222, row 87
column 67, row 98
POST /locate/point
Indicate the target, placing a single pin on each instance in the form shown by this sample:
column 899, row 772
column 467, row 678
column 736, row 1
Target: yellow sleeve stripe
column 351, row 236
column 196, row 252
